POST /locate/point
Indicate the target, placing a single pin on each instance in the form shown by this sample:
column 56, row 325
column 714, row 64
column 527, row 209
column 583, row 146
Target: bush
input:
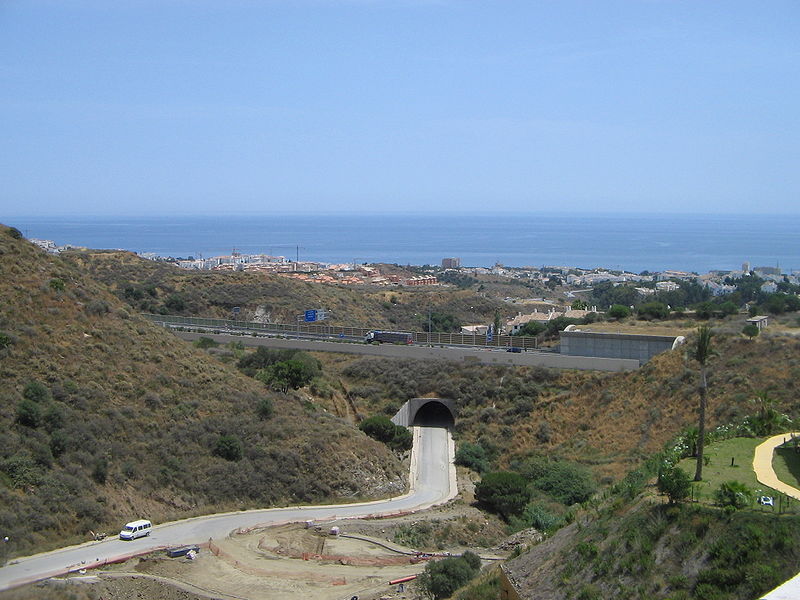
column 229, row 447
column 29, row 413
column 653, row 310
column 98, row 308
column 15, row 233
column 264, row 408
column 503, row 492
column 619, row 311
column 5, row 340
column 443, row 577
column 381, row 428
column 292, row 374
column 175, row 302
column 734, row 494
column 205, row 343
column 565, row 482
column 537, row 516
column 37, row 391
column 675, row 483
column 751, row 330
column 472, row 456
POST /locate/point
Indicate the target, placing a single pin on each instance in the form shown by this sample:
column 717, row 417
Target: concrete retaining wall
column 615, row 345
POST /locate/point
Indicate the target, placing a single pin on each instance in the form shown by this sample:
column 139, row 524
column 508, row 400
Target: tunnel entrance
column 434, row 414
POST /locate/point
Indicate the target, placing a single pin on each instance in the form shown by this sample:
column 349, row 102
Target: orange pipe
column 403, row 579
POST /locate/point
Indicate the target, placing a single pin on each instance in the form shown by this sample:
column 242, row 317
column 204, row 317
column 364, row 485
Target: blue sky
column 145, row 107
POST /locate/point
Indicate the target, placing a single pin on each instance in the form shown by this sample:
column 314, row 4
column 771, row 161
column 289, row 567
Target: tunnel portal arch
column 426, row 411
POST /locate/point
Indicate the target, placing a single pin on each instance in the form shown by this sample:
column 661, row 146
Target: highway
column 432, row 481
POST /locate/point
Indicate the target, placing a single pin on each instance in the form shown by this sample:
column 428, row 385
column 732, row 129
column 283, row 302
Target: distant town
column 370, row 274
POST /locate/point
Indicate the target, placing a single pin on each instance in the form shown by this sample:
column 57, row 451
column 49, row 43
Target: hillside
column 148, row 286
column 651, row 550
column 106, row 418
column 608, row 421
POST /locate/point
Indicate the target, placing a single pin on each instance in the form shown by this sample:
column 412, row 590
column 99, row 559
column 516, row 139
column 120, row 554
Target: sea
column 631, row 242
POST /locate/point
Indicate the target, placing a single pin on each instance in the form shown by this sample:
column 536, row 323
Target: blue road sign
column 311, row 315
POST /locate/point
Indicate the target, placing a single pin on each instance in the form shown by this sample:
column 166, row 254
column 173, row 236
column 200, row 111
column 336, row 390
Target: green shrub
column 264, row 408
column 653, row 310
column 5, row 340
column 564, row 481
column 29, row 413
column 503, row 492
column 98, row 308
column 443, row 577
column 472, row 456
column 205, row 343
column 675, row 483
column 488, row 588
column 619, row 311
column 15, row 233
column 734, row 494
column 282, row 376
column 751, row 330
column 536, row 515
column 381, row 428
column 37, row 391
column 229, row 447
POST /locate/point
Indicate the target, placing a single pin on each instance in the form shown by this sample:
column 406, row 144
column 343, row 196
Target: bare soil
column 292, row 561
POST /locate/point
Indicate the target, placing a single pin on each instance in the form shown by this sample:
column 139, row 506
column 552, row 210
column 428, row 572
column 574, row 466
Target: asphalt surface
column 432, row 481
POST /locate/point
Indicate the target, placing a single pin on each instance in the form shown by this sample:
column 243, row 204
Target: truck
column 389, row 337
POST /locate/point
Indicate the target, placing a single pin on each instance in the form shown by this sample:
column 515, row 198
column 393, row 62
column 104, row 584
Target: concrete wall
column 615, row 345
column 405, row 416
column 467, row 355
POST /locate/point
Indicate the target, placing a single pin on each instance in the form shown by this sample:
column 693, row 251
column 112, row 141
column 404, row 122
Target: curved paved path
column 432, row 481
column 762, row 464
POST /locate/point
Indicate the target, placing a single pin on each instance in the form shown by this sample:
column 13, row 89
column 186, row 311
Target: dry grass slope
column 106, row 417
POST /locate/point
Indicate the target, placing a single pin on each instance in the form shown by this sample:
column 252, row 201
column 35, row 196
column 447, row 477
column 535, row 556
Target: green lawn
column 719, row 468
column 786, row 463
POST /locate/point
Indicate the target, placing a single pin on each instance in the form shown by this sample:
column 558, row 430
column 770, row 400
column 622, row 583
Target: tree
column 443, row 577
column 751, row 330
column 503, row 492
column 496, row 329
column 579, row 304
column 702, row 353
column 618, row 311
column 674, row 482
column 292, row 374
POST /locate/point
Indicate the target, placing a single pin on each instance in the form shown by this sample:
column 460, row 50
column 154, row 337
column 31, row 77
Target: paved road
column 463, row 354
column 432, row 482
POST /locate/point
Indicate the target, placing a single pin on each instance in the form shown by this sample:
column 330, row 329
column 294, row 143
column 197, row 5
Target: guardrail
column 288, row 329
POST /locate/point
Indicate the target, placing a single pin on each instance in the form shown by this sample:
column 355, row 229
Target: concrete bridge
column 427, row 411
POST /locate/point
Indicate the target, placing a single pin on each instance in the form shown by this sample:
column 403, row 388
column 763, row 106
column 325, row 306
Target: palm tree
column 702, row 352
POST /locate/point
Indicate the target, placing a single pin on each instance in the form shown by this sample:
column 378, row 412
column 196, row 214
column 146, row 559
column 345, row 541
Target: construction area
column 335, row 560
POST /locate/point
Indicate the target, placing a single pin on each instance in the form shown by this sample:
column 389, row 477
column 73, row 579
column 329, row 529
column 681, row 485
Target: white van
column 136, row 529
